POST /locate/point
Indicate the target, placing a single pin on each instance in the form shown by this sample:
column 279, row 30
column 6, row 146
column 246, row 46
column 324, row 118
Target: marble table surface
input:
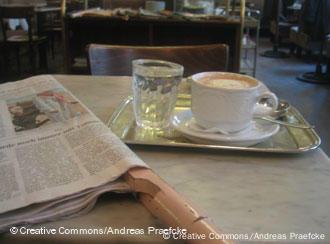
column 243, row 193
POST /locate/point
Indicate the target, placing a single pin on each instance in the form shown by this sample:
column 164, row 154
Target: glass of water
column 155, row 86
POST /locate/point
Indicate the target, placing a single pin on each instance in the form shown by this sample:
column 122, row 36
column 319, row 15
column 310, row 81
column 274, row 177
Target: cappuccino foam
column 224, row 83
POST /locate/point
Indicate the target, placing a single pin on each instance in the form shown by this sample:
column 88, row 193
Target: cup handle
column 260, row 110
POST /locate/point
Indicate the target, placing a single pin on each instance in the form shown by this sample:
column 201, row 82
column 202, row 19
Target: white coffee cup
column 155, row 6
column 227, row 101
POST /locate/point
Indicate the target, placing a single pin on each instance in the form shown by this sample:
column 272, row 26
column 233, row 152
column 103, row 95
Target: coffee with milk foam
column 225, row 83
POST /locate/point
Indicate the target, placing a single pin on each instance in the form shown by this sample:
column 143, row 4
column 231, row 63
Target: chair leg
column 318, row 76
column 6, row 61
column 328, row 67
column 318, row 69
column 52, row 43
column 2, row 69
column 309, row 56
column 292, row 48
column 18, row 59
column 32, row 59
column 299, row 52
column 275, row 52
column 43, row 62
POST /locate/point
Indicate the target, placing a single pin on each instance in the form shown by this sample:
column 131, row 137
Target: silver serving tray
column 287, row 140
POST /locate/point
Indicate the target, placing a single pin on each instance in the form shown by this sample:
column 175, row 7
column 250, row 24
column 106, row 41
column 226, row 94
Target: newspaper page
column 65, row 207
column 52, row 146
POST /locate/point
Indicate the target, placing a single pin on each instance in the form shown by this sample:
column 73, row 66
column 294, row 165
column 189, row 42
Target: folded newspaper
column 56, row 156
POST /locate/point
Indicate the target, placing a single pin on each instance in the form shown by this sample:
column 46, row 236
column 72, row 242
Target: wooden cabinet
column 81, row 31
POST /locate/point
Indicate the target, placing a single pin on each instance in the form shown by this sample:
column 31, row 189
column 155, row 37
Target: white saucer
column 258, row 131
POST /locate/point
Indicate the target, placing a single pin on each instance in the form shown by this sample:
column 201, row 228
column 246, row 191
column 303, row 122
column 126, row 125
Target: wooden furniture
column 140, row 31
column 49, row 24
column 29, row 39
column 116, row 60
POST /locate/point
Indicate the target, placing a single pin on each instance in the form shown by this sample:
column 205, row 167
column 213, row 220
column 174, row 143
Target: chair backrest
column 116, row 60
column 16, row 12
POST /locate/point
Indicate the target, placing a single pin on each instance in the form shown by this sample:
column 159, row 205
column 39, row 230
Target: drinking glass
column 155, row 86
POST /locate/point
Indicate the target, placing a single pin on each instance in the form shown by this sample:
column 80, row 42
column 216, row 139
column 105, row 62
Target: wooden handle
column 167, row 205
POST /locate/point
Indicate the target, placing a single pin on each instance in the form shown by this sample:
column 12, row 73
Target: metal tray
column 287, row 140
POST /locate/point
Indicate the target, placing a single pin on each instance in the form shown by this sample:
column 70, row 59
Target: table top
column 243, row 193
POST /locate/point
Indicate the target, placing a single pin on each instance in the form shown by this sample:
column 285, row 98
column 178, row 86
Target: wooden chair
column 22, row 39
column 51, row 24
column 116, row 60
